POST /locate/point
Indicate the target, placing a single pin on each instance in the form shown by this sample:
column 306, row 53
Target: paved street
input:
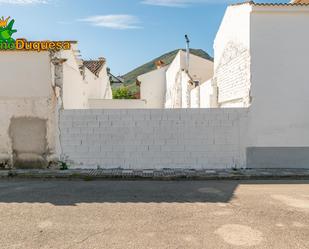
column 148, row 214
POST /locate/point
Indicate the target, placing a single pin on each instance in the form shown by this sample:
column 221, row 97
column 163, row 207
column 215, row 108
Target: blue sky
column 126, row 32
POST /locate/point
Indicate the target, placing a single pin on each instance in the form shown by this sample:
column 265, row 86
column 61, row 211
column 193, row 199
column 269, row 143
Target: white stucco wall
column 204, row 96
column 195, row 98
column 186, row 88
column 280, row 77
column 208, row 94
column 26, row 92
column 232, row 57
column 25, row 74
column 235, row 27
column 105, row 84
column 118, row 104
column 75, row 89
column 153, row 87
column 173, row 87
column 200, row 69
column 99, row 87
column 93, row 84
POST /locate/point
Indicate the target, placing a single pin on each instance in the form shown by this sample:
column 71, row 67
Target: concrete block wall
column 153, row 139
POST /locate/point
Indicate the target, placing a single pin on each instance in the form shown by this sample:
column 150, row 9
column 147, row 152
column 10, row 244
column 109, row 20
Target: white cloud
column 114, row 21
column 22, row 2
column 181, row 3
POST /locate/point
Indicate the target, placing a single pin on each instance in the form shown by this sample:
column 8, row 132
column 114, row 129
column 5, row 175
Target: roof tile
column 94, row 66
column 272, row 4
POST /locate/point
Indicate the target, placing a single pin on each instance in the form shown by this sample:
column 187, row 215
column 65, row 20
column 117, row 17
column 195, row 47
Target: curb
column 160, row 175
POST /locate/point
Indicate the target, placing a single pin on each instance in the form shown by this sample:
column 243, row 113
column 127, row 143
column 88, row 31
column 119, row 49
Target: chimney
column 159, row 64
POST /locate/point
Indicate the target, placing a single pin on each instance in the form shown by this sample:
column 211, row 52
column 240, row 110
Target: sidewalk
column 164, row 174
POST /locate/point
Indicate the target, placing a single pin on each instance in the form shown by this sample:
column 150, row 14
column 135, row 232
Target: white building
column 256, row 53
column 83, row 80
column 170, row 86
column 205, row 95
column 153, row 87
column 33, row 87
column 261, row 62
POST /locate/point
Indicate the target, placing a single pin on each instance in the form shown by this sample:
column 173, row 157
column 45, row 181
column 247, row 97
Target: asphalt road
column 145, row 214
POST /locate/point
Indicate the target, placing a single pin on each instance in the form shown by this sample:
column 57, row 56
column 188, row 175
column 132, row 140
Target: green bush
column 122, row 93
column 63, row 165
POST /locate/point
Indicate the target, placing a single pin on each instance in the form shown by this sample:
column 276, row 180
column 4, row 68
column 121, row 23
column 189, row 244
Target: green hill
column 130, row 78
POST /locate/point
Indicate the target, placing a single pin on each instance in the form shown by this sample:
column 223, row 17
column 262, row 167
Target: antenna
column 187, row 39
column 188, row 52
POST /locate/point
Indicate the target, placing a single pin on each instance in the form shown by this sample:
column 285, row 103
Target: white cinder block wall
column 148, row 139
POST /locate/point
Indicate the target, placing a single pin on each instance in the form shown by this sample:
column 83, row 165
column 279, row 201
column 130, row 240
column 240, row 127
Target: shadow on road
column 62, row 192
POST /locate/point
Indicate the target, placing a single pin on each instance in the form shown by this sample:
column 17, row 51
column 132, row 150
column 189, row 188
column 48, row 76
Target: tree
column 122, row 93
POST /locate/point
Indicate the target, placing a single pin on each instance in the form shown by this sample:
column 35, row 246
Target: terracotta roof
column 300, row 1
column 94, row 66
column 296, row 3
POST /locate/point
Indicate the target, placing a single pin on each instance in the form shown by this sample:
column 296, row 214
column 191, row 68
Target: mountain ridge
column 167, row 58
